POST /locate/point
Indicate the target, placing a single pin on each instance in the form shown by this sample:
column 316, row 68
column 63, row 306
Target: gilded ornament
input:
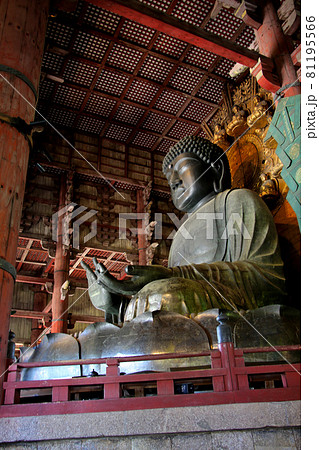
column 260, row 117
column 238, row 123
column 220, row 137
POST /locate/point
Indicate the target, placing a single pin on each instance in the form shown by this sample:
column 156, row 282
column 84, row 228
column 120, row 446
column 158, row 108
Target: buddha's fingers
column 148, row 273
column 89, row 273
column 137, row 271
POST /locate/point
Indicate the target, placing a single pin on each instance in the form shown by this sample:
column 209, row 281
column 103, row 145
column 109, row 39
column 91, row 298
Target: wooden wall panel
column 139, row 165
column 58, row 149
column 112, row 158
column 81, row 305
column 159, row 177
column 40, row 202
column 22, row 296
column 22, row 299
column 22, row 329
column 86, row 153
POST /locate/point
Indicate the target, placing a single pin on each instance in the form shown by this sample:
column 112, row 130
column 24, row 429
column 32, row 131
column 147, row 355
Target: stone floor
column 274, row 425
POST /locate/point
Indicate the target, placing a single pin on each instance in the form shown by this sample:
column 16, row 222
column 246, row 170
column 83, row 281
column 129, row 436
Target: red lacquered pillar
column 22, row 34
column 274, row 44
column 61, row 271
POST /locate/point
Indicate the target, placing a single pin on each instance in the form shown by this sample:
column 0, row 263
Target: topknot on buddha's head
column 203, row 148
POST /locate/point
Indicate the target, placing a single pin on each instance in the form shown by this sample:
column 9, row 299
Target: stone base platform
column 264, row 425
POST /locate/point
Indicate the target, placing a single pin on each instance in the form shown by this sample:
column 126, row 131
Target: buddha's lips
column 179, row 192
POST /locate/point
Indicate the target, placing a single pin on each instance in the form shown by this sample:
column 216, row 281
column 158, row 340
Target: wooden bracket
column 265, row 76
column 250, row 13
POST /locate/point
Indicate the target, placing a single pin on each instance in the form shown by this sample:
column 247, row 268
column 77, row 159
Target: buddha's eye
column 182, row 169
column 188, row 165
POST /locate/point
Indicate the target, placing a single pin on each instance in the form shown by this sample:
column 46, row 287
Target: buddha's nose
column 174, row 181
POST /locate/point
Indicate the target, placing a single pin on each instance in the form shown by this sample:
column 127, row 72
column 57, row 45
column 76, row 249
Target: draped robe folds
column 229, row 248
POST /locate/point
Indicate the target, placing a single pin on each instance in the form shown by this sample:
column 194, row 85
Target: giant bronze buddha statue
column 225, row 255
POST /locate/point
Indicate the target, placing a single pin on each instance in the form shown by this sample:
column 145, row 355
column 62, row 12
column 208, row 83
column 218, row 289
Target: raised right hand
column 100, row 296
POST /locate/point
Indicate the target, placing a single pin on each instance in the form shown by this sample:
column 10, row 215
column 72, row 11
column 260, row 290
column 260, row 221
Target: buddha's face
column 190, row 180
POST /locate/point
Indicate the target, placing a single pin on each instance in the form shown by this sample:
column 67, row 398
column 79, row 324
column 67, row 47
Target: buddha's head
column 196, row 170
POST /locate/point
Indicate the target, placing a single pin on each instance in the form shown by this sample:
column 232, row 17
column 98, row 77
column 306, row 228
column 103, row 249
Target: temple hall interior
column 94, row 95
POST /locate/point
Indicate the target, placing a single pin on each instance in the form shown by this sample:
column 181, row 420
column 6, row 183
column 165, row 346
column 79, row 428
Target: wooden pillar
column 141, row 237
column 274, row 44
column 22, row 33
column 61, row 270
column 39, row 303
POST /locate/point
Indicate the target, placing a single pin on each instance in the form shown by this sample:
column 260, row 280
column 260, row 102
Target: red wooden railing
column 228, row 375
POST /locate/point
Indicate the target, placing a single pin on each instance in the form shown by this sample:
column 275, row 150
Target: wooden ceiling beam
column 89, row 62
column 37, row 250
column 48, row 265
column 97, row 75
column 78, row 261
column 29, row 279
column 72, row 41
column 172, row 26
column 128, row 84
column 29, row 314
column 24, row 255
column 54, row 48
column 33, row 263
column 156, row 97
column 132, row 103
column 48, row 307
column 206, row 75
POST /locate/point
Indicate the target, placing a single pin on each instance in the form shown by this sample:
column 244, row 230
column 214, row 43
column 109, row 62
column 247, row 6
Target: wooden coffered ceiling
column 144, row 73
column 105, row 72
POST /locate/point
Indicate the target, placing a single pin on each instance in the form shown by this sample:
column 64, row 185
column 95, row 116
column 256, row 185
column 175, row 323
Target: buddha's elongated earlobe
column 219, row 172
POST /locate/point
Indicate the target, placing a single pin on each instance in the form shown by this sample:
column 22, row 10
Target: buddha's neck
column 203, row 201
